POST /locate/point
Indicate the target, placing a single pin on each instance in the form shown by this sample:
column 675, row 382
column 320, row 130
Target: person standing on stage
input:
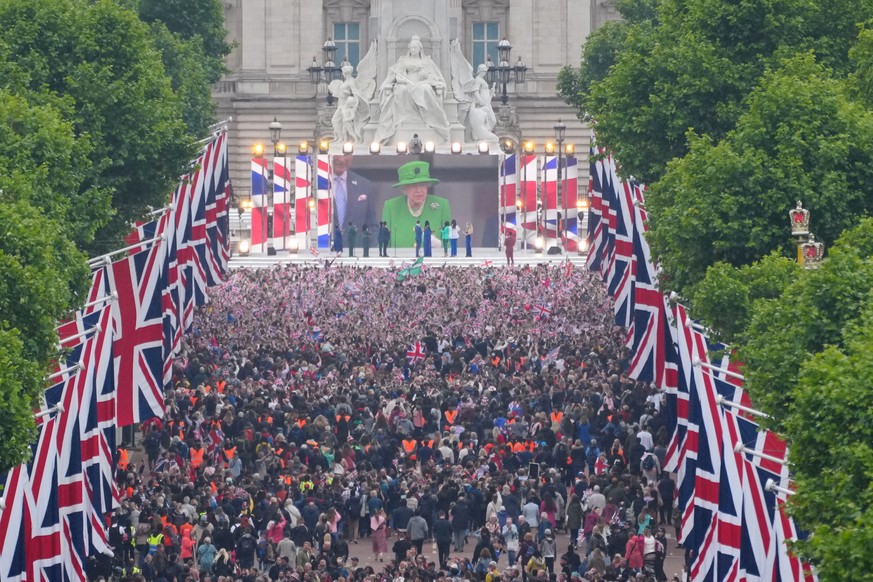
column 468, row 239
column 445, row 234
column 419, row 233
column 384, row 238
column 454, row 235
column 509, row 246
column 351, row 235
column 427, row 239
column 366, row 240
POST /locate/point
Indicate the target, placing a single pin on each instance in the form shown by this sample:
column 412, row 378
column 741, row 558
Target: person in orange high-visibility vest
column 123, row 458
column 197, row 457
column 556, row 417
column 409, row 446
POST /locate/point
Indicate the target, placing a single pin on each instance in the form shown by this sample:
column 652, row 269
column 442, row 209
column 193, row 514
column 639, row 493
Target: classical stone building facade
column 276, row 40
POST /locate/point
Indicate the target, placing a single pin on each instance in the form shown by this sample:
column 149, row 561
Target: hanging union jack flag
column 120, row 348
column 733, row 526
column 415, row 353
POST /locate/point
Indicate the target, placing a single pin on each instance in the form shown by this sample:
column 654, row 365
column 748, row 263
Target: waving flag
column 415, row 353
column 412, row 270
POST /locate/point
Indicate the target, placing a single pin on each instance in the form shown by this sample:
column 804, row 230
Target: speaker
column 554, row 251
column 271, row 251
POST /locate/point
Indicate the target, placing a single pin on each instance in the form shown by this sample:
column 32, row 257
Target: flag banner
column 259, row 204
column 508, row 187
column 570, row 193
column 595, row 235
column 412, row 270
column 324, row 207
column 529, row 175
column 281, row 202
column 302, row 186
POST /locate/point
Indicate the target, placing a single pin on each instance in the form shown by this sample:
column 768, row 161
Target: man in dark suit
column 352, row 195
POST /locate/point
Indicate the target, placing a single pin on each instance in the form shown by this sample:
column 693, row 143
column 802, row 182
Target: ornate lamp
column 799, row 220
column 813, row 253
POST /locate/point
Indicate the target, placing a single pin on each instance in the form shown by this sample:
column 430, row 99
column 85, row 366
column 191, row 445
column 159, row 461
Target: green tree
column 830, row 427
column 192, row 19
column 812, row 313
column 801, row 138
column 725, row 296
column 100, row 57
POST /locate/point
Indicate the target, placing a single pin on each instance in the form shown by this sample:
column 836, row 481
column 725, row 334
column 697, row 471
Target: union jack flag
column 138, row 281
column 415, row 353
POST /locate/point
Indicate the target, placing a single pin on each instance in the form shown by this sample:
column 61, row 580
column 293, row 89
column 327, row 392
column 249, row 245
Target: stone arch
column 404, row 28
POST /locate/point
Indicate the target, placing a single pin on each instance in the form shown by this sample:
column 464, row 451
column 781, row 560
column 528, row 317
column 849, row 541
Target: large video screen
column 431, row 188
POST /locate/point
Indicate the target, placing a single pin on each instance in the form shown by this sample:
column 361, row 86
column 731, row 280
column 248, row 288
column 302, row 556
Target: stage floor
column 482, row 257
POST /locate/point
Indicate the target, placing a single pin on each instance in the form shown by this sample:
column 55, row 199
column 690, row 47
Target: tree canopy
column 99, row 113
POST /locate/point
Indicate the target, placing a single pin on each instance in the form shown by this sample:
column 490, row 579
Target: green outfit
column 395, row 212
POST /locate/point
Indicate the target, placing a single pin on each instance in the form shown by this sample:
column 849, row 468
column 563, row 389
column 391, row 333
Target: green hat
column 414, row 173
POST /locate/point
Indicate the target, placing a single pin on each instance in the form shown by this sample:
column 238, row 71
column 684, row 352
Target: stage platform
column 482, row 257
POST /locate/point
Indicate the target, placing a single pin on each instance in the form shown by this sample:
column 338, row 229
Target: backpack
column 648, row 462
column 591, row 455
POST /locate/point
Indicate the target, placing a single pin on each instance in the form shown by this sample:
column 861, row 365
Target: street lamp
column 560, row 130
column 275, row 135
column 504, row 72
column 810, row 253
column 329, row 72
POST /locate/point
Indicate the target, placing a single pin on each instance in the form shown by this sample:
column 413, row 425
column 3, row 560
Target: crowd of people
column 328, row 424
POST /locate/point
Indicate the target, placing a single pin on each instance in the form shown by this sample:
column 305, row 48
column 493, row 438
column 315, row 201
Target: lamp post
column 560, row 129
column 503, row 72
column 326, row 73
column 810, row 253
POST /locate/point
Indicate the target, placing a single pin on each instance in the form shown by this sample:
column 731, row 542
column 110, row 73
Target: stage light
column 244, row 247
column 281, row 148
column 583, row 245
column 323, row 146
column 375, row 148
column 258, row 150
column 348, row 148
column 303, row 147
column 518, row 203
column 570, row 149
column 484, row 147
column 529, row 147
column 293, row 245
column 550, row 148
column 508, row 146
column 312, row 204
column 582, row 204
column 401, row 147
column 540, row 243
column 457, row 147
column 429, row 147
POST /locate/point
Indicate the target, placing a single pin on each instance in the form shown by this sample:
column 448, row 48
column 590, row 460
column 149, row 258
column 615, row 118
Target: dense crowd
column 480, row 410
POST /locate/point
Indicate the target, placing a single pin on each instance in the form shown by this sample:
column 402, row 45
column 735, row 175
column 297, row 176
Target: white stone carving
column 353, row 96
column 474, row 97
column 412, row 95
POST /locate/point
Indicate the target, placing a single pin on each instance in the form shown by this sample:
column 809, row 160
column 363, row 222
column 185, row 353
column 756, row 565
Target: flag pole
column 61, row 373
column 771, row 486
column 741, row 448
column 87, row 332
column 103, row 258
column 731, row 404
column 57, row 408
column 701, row 364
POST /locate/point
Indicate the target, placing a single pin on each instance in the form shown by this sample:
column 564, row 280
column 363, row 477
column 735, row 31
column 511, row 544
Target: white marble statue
column 412, row 95
column 474, row 96
column 353, row 96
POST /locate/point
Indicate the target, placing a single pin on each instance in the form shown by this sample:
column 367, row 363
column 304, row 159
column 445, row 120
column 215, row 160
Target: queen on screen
column 415, row 204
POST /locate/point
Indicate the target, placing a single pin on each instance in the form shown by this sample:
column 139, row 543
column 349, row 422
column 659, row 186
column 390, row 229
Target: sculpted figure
column 353, row 96
column 474, row 96
column 412, row 94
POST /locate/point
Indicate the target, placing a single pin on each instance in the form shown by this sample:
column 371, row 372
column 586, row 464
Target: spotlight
column 303, row 147
column 508, row 146
column 401, row 147
column 258, row 150
column 539, row 244
column 529, row 147
column 348, row 148
column 323, row 146
column 484, row 147
column 429, row 147
column 582, row 204
column 550, row 148
column 375, row 148
column 281, row 148
column 244, row 247
column 457, row 147
column 570, row 149
column 312, row 204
